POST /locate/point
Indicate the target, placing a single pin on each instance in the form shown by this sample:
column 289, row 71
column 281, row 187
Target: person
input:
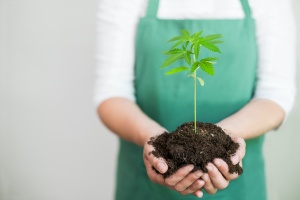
column 251, row 93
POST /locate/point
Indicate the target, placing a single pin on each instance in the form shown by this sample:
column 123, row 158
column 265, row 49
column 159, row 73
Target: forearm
column 257, row 117
column 125, row 118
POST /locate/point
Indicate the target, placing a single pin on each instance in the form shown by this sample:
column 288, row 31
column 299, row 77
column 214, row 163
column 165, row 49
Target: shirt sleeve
column 276, row 38
column 116, row 28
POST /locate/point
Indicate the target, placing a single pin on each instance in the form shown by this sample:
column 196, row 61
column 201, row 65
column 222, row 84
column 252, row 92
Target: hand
column 218, row 175
column 182, row 181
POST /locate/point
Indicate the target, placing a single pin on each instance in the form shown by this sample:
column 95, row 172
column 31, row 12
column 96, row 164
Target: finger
column 240, row 153
column 188, row 181
column 216, row 177
column 208, row 186
column 153, row 176
column 198, row 194
column 179, row 175
column 158, row 163
column 197, row 185
column 223, row 168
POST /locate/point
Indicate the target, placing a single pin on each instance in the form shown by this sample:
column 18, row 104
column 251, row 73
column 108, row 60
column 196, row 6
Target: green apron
column 169, row 100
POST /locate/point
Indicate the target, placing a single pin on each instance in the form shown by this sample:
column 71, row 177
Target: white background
column 52, row 146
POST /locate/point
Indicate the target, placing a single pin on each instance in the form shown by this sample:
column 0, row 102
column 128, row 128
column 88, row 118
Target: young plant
column 189, row 50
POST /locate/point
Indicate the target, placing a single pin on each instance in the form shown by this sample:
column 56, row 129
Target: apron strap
column 152, row 8
column 246, row 8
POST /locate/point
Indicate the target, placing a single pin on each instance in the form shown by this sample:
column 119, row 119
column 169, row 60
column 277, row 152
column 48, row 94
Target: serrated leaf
column 177, row 44
column 199, row 40
column 183, row 47
column 173, row 58
column 187, row 58
column 213, row 37
column 207, row 67
column 176, row 70
column 186, row 34
column 210, row 59
column 192, row 46
column 217, row 41
column 187, row 43
column 210, row 46
column 201, row 81
column 176, row 38
column 194, row 67
column 174, row 51
column 197, row 50
column 196, row 35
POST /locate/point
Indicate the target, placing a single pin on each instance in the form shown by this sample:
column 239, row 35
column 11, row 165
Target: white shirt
column 275, row 31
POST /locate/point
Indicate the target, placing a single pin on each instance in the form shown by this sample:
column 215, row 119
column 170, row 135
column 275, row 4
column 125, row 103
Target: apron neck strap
column 246, row 8
column 152, row 8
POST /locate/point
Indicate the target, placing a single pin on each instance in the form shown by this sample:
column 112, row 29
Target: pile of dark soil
column 183, row 147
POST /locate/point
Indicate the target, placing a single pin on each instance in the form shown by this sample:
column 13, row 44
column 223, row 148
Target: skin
column 124, row 118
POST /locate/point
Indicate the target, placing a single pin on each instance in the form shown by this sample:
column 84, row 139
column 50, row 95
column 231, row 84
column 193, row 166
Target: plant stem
column 195, row 101
column 195, row 93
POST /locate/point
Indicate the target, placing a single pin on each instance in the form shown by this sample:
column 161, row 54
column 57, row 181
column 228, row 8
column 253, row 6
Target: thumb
column 161, row 166
column 158, row 163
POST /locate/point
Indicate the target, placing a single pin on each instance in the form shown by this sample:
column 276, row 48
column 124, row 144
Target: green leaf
column 174, row 51
column 207, row 67
column 201, row 81
column 173, row 58
column 187, row 43
column 210, row 46
column 213, row 37
column 210, row 42
column 194, row 67
column 192, row 46
column 210, row 59
column 186, row 34
column 187, row 58
column 216, row 41
column 176, row 70
column 199, row 40
column 197, row 50
column 176, row 38
column 196, row 35
column 177, row 44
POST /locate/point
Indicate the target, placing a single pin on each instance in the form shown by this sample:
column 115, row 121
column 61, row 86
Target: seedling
column 183, row 147
column 190, row 52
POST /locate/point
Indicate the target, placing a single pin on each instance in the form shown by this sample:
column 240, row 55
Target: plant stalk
column 195, row 101
column 195, row 93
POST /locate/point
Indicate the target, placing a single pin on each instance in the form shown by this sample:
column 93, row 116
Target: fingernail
column 202, row 183
column 217, row 163
column 190, row 167
column 199, row 194
column 199, row 173
column 161, row 167
column 205, row 177
column 209, row 167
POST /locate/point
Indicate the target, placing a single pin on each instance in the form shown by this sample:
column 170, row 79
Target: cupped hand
column 218, row 176
column 183, row 181
column 240, row 153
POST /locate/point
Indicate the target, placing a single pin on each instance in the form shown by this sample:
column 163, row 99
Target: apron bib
column 169, row 100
